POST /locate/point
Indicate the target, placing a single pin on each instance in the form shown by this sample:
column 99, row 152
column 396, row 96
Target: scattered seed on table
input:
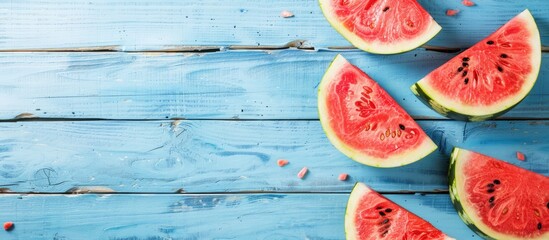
column 302, row 173
column 282, row 162
column 8, row 226
column 452, row 12
column 520, row 156
column 343, row 177
column 286, row 14
column 468, row 3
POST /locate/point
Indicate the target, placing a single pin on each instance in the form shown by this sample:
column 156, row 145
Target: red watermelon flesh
column 489, row 78
column 364, row 122
column 499, row 199
column 369, row 215
column 381, row 26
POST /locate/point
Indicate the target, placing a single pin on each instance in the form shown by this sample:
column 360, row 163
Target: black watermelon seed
column 460, row 69
column 385, row 221
column 500, row 69
column 385, row 233
column 539, row 226
column 385, row 9
column 496, row 181
column 381, row 213
column 466, row 80
column 465, row 64
column 490, row 42
column 465, row 59
column 547, row 204
column 490, row 190
column 403, row 128
column 388, row 210
column 492, row 198
column 503, row 55
column 464, row 73
column 490, row 185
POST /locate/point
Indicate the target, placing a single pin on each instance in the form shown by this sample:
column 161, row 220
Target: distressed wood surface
column 220, row 216
column 222, row 85
column 170, row 24
column 234, row 156
column 97, row 121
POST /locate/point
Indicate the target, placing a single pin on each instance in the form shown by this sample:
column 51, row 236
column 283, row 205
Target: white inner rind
column 405, row 157
column 456, row 106
column 358, row 191
column 379, row 47
column 461, row 157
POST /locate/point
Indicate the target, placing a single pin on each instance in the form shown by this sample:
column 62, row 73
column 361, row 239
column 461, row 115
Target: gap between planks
column 182, row 193
column 26, row 117
column 296, row 44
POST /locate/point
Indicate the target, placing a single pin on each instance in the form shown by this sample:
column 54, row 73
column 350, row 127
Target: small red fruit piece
column 8, row 226
column 343, row 177
column 451, row 12
column 282, row 162
column 286, row 14
column 302, row 173
column 468, row 3
column 520, row 156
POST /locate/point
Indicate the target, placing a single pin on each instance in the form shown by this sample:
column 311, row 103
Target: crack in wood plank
column 296, row 44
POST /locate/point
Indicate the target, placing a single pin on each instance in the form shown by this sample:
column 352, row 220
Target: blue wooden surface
column 204, row 216
column 74, row 120
column 233, row 156
column 130, row 25
column 223, row 85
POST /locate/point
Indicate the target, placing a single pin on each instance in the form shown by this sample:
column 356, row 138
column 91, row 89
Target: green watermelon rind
column 454, row 177
column 413, row 155
column 445, row 107
column 379, row 48
column 454, row 195
column 450, row 113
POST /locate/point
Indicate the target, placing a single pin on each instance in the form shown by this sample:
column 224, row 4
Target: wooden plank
column 220, row 216
column 223, row 85
column 234, row 156
column 509, row 138
column 169, row 24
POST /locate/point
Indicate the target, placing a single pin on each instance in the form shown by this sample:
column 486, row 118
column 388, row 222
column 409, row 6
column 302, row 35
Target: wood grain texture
column 152, row 25
column 235, row 156
column 220, row 216
column 223, row 85
column 250, row 108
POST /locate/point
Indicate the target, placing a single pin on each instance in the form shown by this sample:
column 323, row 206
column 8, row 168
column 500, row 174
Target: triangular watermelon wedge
column 384, row 27
column 489, row 78
column 371, row 216
column 499, row 200
column 364, row 122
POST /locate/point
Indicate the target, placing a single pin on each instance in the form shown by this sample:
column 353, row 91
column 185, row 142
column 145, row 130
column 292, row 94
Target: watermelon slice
column 372, row 216
column 489, row 78
column 385, row 27
column 364, row 122
column 497, row 199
